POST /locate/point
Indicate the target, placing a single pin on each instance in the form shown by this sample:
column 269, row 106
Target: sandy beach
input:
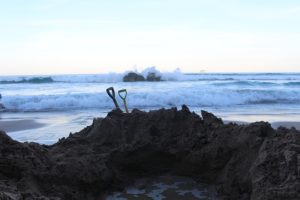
column 126, row 100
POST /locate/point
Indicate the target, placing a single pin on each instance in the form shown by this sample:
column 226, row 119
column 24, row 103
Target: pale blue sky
column 95, row 36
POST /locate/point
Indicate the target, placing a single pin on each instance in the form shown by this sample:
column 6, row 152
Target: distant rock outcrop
column 245, row 162
column 133, row 77
column 153, row 77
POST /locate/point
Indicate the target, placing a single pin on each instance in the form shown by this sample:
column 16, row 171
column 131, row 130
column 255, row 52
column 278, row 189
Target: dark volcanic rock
column 153, row 77
column 133, row 77
column 209, row 118
column 246, row 162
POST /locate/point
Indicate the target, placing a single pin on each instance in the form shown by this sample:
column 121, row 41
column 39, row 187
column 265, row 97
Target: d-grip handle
column 111, row 93
column 123, row 95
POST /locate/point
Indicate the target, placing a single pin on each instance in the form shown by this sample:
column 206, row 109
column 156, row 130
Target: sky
column 100, row 36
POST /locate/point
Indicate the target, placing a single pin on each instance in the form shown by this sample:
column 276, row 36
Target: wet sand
column 19, row 125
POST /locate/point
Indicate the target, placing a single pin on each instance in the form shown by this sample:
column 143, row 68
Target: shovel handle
column 125, row 94
column 123, row 97
column 111, row 93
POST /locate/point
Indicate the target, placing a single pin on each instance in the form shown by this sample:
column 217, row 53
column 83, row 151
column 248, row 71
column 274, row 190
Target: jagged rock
column 209, row 118
column 248, row 162
column 133, row 77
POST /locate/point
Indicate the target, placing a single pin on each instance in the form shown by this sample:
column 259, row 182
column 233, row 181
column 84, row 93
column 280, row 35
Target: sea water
column 68, row 103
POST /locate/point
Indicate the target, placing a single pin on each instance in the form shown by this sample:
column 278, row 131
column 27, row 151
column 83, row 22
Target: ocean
column 68, row 103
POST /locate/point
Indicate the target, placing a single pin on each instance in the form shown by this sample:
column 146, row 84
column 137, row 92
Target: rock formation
column 133, row 77
column 245, row 162
column 153, row 77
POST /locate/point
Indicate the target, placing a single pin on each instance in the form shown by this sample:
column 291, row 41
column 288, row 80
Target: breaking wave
column 194, row 97
column 68, row 92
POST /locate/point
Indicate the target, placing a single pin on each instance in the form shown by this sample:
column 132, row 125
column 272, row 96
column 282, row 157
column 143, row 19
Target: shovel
column 111, row 92
column 123, row 95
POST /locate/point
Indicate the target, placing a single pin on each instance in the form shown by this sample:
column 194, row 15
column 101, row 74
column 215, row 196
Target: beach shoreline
column 48, row 128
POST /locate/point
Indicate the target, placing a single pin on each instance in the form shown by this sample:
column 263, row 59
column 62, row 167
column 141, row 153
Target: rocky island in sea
column 244, row 162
